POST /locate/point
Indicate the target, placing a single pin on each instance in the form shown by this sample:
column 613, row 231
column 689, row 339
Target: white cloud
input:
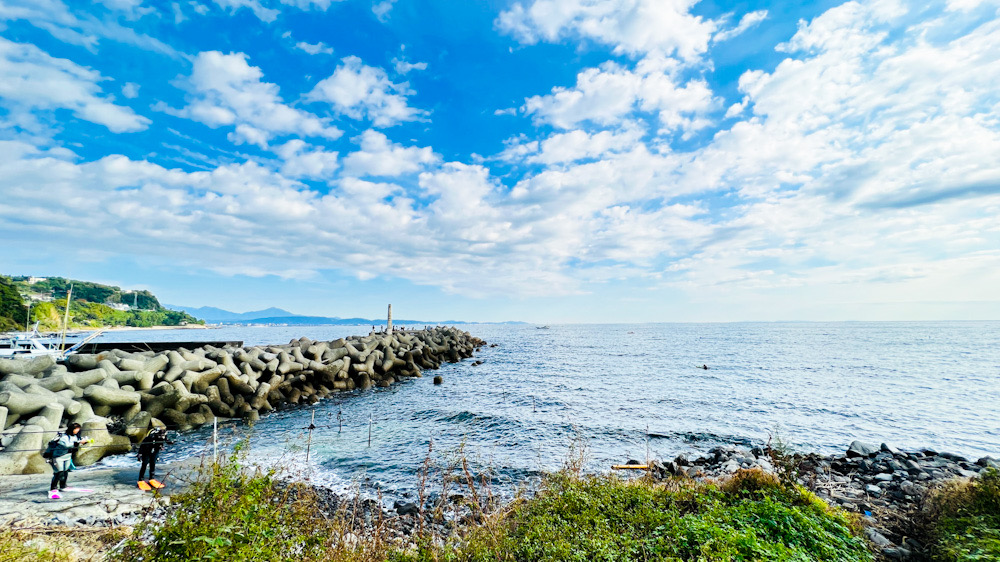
column 572, row 146
column 130, row 90
column 31, row 80
column 302, row 162
column 633, row 27
column 258, row 9
column 868, row 152
column 863, row 164
column 382, row 9
column 269, row 14
column 404, row 67
column 380, row 157
column 319, row 5
column 749, row 20
column 607, row 94
column 316, row 49
column 224, row 90
column 360, row 91
column 132, row 9
column 55, row 17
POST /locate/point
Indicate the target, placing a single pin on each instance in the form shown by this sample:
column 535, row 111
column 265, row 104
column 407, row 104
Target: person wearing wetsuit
column 62, row 458
column 149, row 449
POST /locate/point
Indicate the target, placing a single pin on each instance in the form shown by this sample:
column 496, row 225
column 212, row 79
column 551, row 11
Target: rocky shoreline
column 882, row 484
column 118, row 396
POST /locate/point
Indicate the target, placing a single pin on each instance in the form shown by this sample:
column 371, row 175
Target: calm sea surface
column 626, row 389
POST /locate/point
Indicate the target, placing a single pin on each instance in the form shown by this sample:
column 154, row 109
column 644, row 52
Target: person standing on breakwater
column 149, row 449
column 62, row 458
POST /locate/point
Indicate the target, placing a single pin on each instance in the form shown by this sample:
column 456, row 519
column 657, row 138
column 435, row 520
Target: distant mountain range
column 213, row 315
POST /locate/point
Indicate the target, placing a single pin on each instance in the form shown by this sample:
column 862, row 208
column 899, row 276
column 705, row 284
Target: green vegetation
column 237, row 514
column 962, row 519
column 13, row 313
column 93, row 315
column 89, row 309
column 58, row 287
column 57, row 545
column 752, row 517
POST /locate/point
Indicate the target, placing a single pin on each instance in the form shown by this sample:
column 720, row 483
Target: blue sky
column 539, row 160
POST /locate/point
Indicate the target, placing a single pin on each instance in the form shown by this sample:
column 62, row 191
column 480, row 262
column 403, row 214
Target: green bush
column 605, row 518
column 236, row 514
column 962, row 519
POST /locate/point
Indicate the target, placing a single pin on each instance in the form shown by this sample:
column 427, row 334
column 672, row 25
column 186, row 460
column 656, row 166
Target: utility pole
column 69, row 299
column 27, row 321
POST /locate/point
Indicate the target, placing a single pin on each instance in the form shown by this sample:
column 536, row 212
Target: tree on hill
column 13, row 312
column 88, row 291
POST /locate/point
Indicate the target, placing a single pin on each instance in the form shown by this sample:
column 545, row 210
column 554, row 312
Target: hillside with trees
column 93, row 306
column 13, row 313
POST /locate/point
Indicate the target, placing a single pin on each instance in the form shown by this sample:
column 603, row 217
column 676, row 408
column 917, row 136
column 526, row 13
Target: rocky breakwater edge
column 883, row 485
column 117, row 397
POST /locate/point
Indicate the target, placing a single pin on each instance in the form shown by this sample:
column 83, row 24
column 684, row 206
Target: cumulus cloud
column 318, row 48
column 866, row 159
column 31, row 79
column 361, row 91
column 634, row 27
column 224, row 90
column 378, row 156
column 863, row 163
column 404, row 67
column 130, row 90
column 610, row 93
column 749, row 20
column 382, row 9
column 572, row 146
column 304, row 161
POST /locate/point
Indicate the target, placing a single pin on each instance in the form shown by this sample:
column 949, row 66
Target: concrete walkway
column 114, row 500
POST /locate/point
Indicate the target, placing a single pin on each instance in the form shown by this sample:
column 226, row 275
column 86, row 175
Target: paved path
column 115, row 499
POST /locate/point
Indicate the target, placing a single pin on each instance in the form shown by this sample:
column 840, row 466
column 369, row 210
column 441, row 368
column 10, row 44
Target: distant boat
column 33, row 344
column 541, row 327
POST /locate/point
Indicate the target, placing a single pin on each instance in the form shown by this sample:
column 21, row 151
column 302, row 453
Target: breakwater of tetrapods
column 118, row 396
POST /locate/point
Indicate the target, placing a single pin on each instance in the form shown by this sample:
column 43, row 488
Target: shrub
column 239, row 514
column 752, row 481
column 57, row 544
column 962, row 519
column 606, row 518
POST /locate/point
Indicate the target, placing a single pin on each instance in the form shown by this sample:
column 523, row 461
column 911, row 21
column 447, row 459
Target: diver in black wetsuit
column 149, row 449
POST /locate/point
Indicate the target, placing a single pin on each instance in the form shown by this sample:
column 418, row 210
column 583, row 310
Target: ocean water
column 630, row 391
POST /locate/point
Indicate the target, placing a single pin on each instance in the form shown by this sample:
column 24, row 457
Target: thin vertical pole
column 647, row 447
column 312, row 426
column 69, row 299
column 369, row 430
column 389, row 324
column 215, row 440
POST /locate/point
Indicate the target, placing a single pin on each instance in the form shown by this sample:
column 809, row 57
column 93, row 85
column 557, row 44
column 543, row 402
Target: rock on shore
column 118, row 396
column 881, row 483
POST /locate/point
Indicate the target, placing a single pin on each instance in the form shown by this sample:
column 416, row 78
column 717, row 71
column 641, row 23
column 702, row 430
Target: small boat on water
column 541, row 327
column 24, row 345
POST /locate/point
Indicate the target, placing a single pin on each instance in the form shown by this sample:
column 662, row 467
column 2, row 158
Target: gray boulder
column 859, row 449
